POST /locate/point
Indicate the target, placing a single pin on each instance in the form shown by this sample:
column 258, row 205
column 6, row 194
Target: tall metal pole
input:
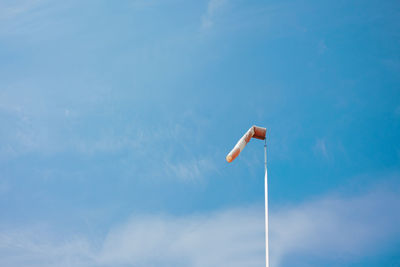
column 266, row 205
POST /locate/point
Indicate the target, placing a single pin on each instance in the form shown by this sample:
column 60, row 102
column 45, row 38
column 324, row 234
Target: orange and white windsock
column 254, row 131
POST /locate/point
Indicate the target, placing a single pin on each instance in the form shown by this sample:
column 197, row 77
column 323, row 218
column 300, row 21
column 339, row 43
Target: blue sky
column 116, row 118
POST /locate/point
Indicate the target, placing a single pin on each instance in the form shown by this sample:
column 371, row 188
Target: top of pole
column 254, row 131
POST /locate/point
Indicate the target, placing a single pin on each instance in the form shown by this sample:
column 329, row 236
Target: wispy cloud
column 190, row 170
column 60, row 129
column 35, row 247
column 397, row 111
column 331, row 228
column 322, row 47
column 4, row 187
column 320, row 148
column 12, row 9
column 212, row 9
column 143, row 3
column 36, row 20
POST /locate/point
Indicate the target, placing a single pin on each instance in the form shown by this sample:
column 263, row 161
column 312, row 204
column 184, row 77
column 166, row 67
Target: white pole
column 266, row 206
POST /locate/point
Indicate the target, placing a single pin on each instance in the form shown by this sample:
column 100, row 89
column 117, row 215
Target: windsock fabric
column 254, row 131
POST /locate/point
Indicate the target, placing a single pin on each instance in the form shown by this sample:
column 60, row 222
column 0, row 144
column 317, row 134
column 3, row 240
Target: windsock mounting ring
column 254, row 131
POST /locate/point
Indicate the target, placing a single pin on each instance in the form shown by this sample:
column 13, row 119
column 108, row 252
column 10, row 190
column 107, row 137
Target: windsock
column 254, row 131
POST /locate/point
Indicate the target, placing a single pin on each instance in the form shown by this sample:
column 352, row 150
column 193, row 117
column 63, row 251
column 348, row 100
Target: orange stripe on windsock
column 254, row 131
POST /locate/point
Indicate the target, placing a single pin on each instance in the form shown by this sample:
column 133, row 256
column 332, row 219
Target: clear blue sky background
column 116, row 117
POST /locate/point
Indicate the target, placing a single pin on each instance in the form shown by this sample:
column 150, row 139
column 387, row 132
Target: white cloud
column 229, row 238
column 329, row 228
column 212, row 8
column 336, row 227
